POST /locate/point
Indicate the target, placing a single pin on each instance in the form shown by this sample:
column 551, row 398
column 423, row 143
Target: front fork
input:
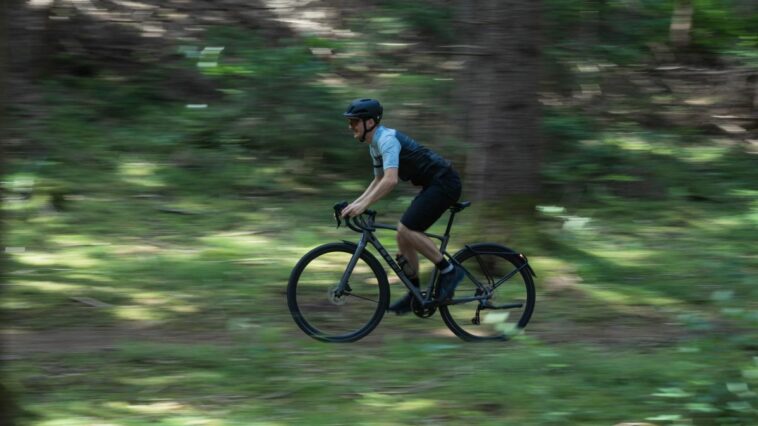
column 344, row 287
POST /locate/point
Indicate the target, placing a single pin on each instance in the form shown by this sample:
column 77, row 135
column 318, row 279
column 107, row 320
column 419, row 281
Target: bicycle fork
column 344, row 287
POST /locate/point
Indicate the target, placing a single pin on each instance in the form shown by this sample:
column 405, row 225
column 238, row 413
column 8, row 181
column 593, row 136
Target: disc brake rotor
column 334, row 298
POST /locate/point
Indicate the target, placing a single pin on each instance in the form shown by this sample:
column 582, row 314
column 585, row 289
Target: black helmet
column 365, row 109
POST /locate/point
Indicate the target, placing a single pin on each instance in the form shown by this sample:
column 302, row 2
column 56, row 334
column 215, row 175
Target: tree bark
column 8, row 406
column 499, row 90
column 681, row 24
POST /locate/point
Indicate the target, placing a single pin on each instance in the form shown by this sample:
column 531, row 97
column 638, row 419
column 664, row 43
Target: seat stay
column 510, row 274
column 473, row 279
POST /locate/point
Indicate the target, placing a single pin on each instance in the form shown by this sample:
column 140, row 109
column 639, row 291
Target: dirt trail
column 18, row 344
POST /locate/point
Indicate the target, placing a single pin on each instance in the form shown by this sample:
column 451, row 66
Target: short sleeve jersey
column 392, row 149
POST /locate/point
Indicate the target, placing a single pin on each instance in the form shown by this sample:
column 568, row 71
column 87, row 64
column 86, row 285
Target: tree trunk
column 499, row 96
column 9, row 409
column 681, row 24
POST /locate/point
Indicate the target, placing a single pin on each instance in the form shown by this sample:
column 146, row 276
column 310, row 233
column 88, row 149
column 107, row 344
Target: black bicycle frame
column 369, row 237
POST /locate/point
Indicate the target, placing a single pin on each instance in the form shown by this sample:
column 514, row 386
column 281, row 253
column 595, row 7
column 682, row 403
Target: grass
column 252, row 383
column 658, row 324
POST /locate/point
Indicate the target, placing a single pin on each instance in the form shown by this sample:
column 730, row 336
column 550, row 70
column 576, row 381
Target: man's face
column 356, row 126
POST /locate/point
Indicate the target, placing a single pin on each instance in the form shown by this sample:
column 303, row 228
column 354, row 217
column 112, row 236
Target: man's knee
column 403, row 232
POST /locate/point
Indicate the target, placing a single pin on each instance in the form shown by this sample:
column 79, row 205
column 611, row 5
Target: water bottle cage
column 402, row 261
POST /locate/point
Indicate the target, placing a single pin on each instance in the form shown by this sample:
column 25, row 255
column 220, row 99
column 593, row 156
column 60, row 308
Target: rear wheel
column 511, row 304
column 324, row 314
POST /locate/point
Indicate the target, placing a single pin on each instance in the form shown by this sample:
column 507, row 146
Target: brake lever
column 338, row 212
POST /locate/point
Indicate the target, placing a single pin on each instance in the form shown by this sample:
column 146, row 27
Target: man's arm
column 380, row 188
column 370, row 188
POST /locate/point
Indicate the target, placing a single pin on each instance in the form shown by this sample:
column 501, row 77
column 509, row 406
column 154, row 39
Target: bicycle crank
column 420, row 310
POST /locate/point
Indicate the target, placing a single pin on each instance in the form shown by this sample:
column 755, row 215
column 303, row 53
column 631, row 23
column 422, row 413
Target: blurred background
column 167, row 162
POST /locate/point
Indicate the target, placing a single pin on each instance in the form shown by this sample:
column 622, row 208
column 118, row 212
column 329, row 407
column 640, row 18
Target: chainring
column 420, row 310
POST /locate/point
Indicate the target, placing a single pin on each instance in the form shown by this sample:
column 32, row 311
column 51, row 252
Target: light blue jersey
column 392, row 149
column 385, row 150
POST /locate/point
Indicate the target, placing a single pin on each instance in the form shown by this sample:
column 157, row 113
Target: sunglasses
column 353, row 121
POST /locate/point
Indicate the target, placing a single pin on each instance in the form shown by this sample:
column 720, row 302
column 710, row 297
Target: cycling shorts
column 433, row 200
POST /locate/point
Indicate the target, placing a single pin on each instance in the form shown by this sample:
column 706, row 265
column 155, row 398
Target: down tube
column 395, row 267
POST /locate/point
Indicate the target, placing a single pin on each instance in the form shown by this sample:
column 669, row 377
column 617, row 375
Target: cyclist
column 396, row 156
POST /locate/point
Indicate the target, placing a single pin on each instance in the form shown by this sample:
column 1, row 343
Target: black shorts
column 433, row 201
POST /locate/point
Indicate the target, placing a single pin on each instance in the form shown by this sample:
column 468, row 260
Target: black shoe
column 402, row 306
column 448, row 282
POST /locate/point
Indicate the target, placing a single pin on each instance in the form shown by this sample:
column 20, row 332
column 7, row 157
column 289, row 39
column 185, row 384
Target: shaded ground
column 627, row 332
column 18, row 343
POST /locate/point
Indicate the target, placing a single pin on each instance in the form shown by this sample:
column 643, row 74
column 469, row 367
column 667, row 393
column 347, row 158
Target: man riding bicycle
column 397, row 156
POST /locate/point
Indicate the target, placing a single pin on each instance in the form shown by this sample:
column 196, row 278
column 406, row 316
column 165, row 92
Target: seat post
column 450, row 222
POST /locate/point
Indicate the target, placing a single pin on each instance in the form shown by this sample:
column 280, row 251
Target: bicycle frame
column 368, row 237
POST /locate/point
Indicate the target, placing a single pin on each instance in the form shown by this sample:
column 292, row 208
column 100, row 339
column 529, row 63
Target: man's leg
column 409, row 242
column 428, row 206
column 417, row 241
column 403, row 305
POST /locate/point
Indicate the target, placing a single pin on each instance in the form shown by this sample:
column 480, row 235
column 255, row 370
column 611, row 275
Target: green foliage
column 274, row 100
column 624, row 33
column 618, row 31
column 723, row 25
column 429, row 18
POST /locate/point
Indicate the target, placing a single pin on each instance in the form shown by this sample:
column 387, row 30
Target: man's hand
column 354, row 209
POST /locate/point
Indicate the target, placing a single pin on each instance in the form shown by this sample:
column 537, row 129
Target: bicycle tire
column 321, row 315
column 495, row 325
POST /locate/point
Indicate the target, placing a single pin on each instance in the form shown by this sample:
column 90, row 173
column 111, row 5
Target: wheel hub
column 336, row 298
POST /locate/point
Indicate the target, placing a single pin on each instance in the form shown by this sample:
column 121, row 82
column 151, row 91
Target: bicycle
column 339, row 292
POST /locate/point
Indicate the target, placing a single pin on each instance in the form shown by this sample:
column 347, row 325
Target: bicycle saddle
column 460, row 206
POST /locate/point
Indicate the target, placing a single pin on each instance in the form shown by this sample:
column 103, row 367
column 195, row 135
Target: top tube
column 365, row 222
column 394, row 228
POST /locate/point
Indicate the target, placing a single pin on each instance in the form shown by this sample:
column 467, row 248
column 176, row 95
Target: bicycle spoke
column 486, row 273
column 507, row 277
column 325, row 310
column 361, row 297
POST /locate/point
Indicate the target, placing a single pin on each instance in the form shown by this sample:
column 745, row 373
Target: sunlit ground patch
column 70, row 258
column 626, row 296
column 48, row 286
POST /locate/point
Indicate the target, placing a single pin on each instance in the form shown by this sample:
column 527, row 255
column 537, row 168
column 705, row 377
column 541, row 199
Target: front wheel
column 327, row 315
column 502, row 273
